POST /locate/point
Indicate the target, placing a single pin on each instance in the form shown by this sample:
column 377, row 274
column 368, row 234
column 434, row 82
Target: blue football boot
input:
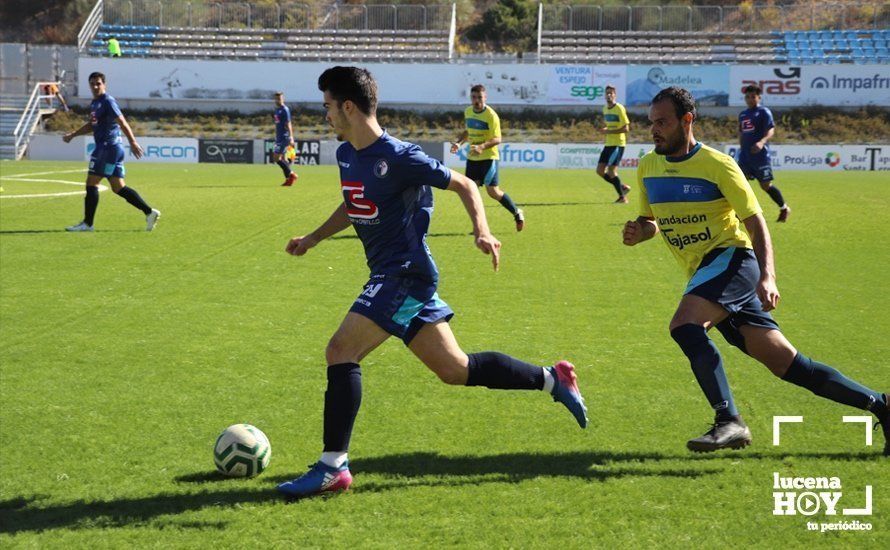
column 565, row 390
column 320, row 478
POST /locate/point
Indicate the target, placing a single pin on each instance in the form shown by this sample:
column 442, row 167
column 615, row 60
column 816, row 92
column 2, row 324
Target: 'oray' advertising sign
column 156, row 149
column 225, row 150
column 513, row 155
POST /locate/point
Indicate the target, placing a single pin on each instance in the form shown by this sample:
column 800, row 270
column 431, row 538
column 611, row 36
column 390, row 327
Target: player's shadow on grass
column 398, row 472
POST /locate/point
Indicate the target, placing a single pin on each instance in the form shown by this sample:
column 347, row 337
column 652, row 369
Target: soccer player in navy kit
column 107, row 160
column 756, row 128
column 284, row 138
column 387, row 198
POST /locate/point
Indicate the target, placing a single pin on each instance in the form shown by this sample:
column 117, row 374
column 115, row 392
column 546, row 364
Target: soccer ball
column 242, row 450
column 290, row 154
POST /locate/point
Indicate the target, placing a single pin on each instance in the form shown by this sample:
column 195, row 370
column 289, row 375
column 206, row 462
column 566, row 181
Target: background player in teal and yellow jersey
column 484, row 133
column 695, row 196
column 616, row 129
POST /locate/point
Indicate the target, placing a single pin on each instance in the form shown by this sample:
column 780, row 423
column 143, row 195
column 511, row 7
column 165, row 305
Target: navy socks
column 132, row 197
column 508, row 203
column 616, row 183
column 776, row 195
column 707, row 366
column 501, row 372
column 827, row 382
column 90, row 204
column 341, row 403
column 285, row 167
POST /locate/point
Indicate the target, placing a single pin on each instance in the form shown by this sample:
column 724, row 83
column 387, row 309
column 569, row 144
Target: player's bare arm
column 767, row 290
column 485, row 241
column 337, row 222
column 479, row 147
column 757, row 147
column 639, row 230
column 459, row 141
column 82, row 131
column 135, row 148
column 622, row 130
column 290, row 130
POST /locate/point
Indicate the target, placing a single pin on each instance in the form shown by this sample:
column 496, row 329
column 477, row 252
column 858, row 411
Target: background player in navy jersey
column 107, row 159
column 284, row 138
column 756, row 127
column 387, row 199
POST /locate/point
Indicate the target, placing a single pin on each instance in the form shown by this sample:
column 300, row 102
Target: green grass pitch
column 124, row 354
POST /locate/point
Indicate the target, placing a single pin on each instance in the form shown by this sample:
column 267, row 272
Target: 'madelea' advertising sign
column 513, row 155
column 826, row 157
column 586, row 155
column 707, row 83
column 225, row 150
column 156, row 149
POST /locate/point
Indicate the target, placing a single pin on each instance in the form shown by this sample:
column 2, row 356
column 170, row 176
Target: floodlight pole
column 453, row 31
column 540, row 27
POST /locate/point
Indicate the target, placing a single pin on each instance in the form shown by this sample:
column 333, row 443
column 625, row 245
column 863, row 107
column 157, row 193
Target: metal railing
column 31, row 116
column 90, row 26
column 743, row 17
column 245, row 15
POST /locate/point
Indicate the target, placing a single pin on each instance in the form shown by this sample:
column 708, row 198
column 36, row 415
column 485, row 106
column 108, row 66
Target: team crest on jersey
column 381, row 168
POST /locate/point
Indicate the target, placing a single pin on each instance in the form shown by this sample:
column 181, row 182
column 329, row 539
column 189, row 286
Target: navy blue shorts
column 611, row 155
column 107, row 161
column 401, row 305
column 483, row 172
column 280, row 146
column 729, row 277
column 757, row 168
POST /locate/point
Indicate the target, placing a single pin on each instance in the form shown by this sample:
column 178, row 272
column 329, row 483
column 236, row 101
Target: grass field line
column 26, row 178
column 49, row 172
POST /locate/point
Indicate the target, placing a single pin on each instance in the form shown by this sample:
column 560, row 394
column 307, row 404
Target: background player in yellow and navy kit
column 756, row 127
column 284, row 138
column 387, row 198
column 107, row 158
column 484, row 133
column 695, row 196
column 616, row 129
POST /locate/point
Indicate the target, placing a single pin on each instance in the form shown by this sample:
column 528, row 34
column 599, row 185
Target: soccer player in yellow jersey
column 696, row 197
column 616, row 129
column 484, row 133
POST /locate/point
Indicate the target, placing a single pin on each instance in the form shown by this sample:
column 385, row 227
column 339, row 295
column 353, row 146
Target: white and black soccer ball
column 242, row 450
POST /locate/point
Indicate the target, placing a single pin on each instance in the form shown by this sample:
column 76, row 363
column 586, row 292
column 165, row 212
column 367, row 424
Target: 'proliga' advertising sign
column 826, row 157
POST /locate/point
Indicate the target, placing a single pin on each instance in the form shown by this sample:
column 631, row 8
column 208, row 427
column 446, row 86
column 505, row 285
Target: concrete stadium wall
column 525, row 85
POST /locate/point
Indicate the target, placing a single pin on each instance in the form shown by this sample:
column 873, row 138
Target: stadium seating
column 290, row 44
column 799, row 47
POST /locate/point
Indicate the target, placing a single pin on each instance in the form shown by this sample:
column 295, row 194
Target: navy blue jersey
column 282, row 118
column 386, row 189
column 104, row 112
column 753, row 125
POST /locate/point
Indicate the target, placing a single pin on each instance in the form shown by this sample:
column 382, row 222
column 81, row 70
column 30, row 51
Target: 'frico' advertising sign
column 156, row 149
column 513, row 155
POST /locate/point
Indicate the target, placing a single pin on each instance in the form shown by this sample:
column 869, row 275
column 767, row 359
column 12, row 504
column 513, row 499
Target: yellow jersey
column 481, row 127
column 697, row 201
column 616, row 117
